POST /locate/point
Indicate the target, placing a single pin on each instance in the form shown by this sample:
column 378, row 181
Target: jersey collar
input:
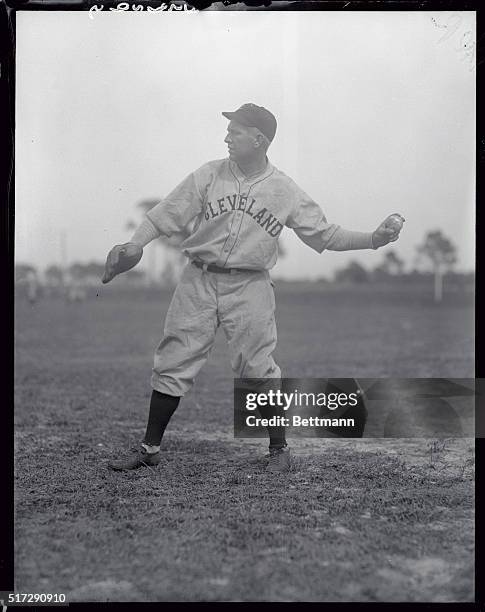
column 254, row 179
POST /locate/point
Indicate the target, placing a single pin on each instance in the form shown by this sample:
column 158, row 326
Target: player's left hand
column 121, row 258
column 388, row 230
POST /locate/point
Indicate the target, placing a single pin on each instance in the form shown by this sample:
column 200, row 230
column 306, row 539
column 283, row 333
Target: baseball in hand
column 395, row 222
column 388, row 230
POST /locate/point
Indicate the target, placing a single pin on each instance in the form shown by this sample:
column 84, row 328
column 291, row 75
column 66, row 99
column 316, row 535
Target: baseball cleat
column 278, row 460
column 263, row 459
column 140, row 458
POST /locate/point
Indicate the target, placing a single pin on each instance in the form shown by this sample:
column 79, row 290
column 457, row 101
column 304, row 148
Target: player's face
column 240, row 142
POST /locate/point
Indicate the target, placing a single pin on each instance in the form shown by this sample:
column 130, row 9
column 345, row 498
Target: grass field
column 368, row 520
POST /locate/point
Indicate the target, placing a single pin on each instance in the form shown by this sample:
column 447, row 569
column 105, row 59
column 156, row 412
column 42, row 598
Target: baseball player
column 229, row 214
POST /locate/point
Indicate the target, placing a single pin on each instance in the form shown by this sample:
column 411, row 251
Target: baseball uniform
column 235, row 224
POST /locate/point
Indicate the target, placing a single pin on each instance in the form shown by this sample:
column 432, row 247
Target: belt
column 217, row 269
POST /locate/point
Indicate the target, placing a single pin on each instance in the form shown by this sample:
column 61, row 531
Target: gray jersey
column 227, row 219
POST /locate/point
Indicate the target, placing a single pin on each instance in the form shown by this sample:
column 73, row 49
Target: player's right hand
column 121, row 258
column 388, row 230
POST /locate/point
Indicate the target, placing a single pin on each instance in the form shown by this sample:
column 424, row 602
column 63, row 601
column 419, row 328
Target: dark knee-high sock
column 162, row 407
column 277, row 436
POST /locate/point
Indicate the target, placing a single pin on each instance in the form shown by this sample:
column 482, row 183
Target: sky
column 375, row 110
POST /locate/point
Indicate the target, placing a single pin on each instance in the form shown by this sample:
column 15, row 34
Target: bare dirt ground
column 354, row 520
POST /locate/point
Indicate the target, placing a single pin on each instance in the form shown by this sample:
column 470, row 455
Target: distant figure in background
column 32, row 287
column 75, row 291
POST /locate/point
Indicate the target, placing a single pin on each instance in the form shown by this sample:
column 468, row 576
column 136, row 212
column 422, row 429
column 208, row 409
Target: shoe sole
column 135, row 467
column 278, row 471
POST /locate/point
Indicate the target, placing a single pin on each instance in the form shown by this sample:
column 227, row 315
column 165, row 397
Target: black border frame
column 8, row 9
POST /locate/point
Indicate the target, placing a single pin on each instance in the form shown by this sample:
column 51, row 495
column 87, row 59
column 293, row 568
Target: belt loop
column 233, row 271
column 204, row 267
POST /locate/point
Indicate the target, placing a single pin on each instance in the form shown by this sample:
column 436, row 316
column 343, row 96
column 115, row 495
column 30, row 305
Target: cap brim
column 238, row 117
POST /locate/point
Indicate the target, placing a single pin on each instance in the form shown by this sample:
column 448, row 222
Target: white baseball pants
column 242, row 303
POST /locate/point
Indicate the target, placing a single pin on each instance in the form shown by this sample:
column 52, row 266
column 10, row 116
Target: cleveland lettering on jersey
column 236, row 201
column 217, row 193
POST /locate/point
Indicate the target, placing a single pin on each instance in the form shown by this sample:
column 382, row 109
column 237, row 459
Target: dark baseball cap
column 252, row 115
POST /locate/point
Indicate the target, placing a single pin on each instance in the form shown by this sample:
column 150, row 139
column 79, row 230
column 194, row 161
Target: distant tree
column 394, row 264
column 23, row 272
column 94, row 268
column 353, row 273
column 77, row 271
column 440, row 252
column 391, row 265
column 54, row 276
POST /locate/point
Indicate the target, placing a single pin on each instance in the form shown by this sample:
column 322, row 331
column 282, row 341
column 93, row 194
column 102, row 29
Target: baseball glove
column 121, row 258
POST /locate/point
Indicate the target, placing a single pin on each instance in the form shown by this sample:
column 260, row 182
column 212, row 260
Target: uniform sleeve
column 145, row 233
column 175, row 212
column 309, row 223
